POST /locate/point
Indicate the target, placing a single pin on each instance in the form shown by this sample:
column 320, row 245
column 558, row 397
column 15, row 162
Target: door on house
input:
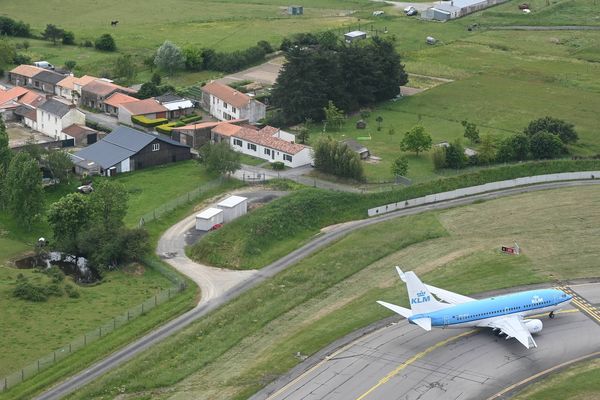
column 92, row 138
column 272, row 154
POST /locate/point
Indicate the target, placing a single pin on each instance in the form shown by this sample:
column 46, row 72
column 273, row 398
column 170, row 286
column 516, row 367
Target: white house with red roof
column 269, row 143
column 225, row 103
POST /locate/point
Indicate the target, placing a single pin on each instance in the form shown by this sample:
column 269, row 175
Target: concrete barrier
column 487, row 187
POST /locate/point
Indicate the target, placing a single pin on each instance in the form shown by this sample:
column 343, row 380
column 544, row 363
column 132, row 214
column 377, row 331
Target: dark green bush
column 278, row 166
column 26, row 290
column 72, row 292
column 55, row 274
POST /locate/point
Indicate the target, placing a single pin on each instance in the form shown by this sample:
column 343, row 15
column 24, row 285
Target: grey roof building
column 46, row 80
column 55, row 107
column 126, row 149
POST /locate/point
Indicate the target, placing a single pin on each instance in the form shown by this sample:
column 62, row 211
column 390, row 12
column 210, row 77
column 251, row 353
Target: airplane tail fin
column 421, row 300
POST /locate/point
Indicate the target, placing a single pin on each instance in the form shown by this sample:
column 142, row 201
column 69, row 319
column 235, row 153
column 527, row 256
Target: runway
column 401, row 361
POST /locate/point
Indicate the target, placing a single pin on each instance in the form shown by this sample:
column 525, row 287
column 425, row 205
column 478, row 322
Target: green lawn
column 248, row 342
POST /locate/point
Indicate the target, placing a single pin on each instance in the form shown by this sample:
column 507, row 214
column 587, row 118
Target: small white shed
column 233, row 207
column 209, row 218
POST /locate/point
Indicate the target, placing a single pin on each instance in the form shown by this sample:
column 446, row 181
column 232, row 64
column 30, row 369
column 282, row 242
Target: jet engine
column 534, row 325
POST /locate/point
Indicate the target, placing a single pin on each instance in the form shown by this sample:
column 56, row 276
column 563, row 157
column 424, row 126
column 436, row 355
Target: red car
column 215, row 227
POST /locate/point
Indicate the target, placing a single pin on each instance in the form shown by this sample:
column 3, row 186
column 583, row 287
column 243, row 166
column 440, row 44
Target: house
column 70, row 87
column 149, row 108
column 81, row 134
column 54, row 115
column 126, row 149
column 111, row 104
column 354, row 35
column 446, row 10
column 94, row 93
column 295, row 10
column 177, row 106
column 27, row 115
column 23, row 75
column 9, row 101
column 198, row 134
column 46, row 81
column 226, row 103
column 358, row 148
column 269, row 143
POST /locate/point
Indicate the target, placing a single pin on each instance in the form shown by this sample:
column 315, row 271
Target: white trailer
column 233, row 207
column 208, row 218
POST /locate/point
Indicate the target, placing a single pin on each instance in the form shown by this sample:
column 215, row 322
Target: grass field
column 580, row 382
column 245, row 344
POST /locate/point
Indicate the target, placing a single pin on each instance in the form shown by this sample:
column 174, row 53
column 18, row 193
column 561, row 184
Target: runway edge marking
column 581, row 303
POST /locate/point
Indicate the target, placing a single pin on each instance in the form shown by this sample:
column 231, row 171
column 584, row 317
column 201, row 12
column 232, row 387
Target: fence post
column 114, row 323
column 22, row 375
column 142, row 308
column 127, row 315
column 84, row 339
column 169, row 294
column 70, row 348
column 155, row 300
column 54, row 356
column 38, row 365
column 100, row 331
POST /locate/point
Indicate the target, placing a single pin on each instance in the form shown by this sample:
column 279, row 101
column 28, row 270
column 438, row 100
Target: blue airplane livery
column 505, row 313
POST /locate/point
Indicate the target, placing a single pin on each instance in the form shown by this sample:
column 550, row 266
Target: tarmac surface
column 401, row 361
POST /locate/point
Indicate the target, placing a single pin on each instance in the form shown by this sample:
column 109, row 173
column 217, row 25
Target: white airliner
column 501, row 313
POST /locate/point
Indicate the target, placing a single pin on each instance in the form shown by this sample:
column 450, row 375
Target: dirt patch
column 134, row 269
column 19, row 135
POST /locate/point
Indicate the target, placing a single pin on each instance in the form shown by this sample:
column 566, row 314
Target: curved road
column 334, row 233
column 401, row 361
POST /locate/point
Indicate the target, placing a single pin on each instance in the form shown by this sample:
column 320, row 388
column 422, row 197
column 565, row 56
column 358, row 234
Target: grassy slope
column 581, row 382
column 243, row 345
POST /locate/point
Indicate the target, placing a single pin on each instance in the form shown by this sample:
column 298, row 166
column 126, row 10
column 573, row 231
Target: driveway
column 102, row 119
column 265, row 73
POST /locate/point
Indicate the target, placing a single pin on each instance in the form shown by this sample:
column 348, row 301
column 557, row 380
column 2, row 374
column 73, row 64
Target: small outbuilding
column 233, row 207
column 354, row 35
column 295, row 10
column 358, row 148
column 208, row 219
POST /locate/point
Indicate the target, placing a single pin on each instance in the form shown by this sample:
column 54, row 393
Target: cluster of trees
column 25, row 289
column 11, row 27
column 105, row 42
column 543, row 138
column 92, row 226
column 153, row 88
column 349, row 75
column 336, row 158
column 220, row 158
column 54, row 33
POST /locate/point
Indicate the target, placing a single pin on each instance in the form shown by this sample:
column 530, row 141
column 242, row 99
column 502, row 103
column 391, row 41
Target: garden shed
column 295, row 10
column 208, row 218
column 233, row 207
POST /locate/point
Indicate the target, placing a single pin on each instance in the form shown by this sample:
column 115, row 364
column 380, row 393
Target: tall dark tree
column 5, row 152
column 564, row 130
column 53, row 33
column 546, row 145
column 389, row 73
column 23, row 185
column 105, row 42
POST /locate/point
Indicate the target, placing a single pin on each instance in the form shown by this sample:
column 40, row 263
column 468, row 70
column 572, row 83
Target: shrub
column 26, row 290
column 167, row 128
column 53, row 289
column 439, row 157
column 22, row 59
column 68, row 38
column 147, row 122
column 97, row 126
column 278, row 166
column 191, row 118
column 71, row 291
column 105, row 43
column 55, row 274
column 87, row 43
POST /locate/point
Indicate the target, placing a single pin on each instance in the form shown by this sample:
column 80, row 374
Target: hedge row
column 283, row 224
column 167, row 128
column 191, row 118
column 147, row 122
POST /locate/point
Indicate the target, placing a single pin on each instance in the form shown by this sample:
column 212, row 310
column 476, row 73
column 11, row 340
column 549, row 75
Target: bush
column 191, row 118
column 71, row 291
column 167, row 128
column 278, row 166
column 55, row 274
column 147, row 122
column 26, row 290
column 87, row 43
column 439, row 157
column 97, row 126
column 333, row 157
column 22, row 59
column 68, row 38
column 11, row 27
column 53, row 289
column 105, row 43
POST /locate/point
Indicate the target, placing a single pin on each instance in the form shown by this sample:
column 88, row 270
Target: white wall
column 52, row 125
column 488, row 187
column 303, row 157
column 253, row 112
column 124, row 115
column 126, row 165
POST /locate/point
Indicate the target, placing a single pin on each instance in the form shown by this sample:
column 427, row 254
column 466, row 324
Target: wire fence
column 181, row 200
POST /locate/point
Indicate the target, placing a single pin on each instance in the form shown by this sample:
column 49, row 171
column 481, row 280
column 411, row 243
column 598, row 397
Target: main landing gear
column 551, row 315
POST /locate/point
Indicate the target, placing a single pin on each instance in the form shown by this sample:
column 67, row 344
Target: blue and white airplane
column 501, row 313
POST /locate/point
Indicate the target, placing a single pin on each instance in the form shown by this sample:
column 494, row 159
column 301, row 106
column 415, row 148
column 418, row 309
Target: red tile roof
column 32, row 99
column 27, row 70
column 119, row 98
column 226, row 129
column 228, row 94
column 100, row 87
column 143, row 107
column 210, row 124
column 12, row 94
column 78, row 131
column 266, row 139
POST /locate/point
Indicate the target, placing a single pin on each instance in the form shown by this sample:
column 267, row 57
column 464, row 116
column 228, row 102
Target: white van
column 44, row 64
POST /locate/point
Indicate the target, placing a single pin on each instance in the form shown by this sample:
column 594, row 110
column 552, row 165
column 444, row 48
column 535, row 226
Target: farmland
column 333, row 292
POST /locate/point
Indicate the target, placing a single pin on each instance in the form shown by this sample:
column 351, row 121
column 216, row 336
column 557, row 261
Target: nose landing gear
column 551, row 315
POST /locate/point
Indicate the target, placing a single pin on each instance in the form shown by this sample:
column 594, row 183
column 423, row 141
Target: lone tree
column 60, row 165
column 68, row 217
column 416, row 140
column 221, row 158
column 546, row 145
column 105, row 43
column 455, row 155
column 169, row 57
column 379, row 120
column 124, row 68
column 471, row 131
column 564, row 130
column 334, row 116
column 487, row 151
column 400, row 166
column 23, row 185
column 53, row 32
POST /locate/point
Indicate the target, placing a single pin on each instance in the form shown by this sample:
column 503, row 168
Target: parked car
column 411, row 12
column 215, row 227
column 44, row 64
column 85, row 189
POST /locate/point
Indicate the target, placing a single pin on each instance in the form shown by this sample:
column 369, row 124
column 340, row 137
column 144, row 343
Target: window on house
column 287, row 157
column 226, row 116
column 268, row 152
column 155, row 146
column 56, row 120
column 234, row 109
column 225, row 105
column 237, row 142
column 252, row 146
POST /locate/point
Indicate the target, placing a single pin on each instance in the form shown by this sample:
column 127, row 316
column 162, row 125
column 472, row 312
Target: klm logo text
column 421, row 298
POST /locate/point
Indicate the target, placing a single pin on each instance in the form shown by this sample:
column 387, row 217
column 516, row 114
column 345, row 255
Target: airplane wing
column 513, row 326
column 445, row 295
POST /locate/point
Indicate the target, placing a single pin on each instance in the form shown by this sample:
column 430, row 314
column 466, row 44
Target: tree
column 193, row 58
column 546, row 145
column 147, row 90
column 333, row 157
column 400, row 166
column 60, row 165
column 23, row 185
column 70, row 65
column 379, row 120
column 68, row 38
column 52, row 32
column 7, row 52
column 124, row 68
column 220, row 157
column 5, row 152
column 514, row 148
column 487, row 151
column 471, row 131
column 105, row 43
column 68, row 217
column 416, row 140
column 564, row 130
column 156, row 79
column 439, row 157
column 303, row 135
column 455, row 155
column 169, row 57
column 334, row 116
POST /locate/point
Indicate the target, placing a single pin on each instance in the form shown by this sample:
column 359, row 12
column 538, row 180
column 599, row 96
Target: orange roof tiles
column 228, row 94
column 32, row 99
column 119, row 98
column 266, row 139
column 27, row 70
column 142, row 107
column 12, row 94
column 226, row 129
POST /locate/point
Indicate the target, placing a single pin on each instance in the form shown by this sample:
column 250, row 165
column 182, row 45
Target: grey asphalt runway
column 401, row 361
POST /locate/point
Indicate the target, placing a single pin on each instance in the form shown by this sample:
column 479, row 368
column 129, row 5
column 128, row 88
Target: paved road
column 330, row 235
column 400, row 361
column 102, row 119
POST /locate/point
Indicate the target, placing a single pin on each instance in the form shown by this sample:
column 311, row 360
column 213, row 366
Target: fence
column 183, row 199
column 101, row 331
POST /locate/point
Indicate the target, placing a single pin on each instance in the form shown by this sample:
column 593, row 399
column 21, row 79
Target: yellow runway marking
column 582, row 304
column 411, row 360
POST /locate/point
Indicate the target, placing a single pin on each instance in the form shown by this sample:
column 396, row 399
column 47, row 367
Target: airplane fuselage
column 477, row 312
